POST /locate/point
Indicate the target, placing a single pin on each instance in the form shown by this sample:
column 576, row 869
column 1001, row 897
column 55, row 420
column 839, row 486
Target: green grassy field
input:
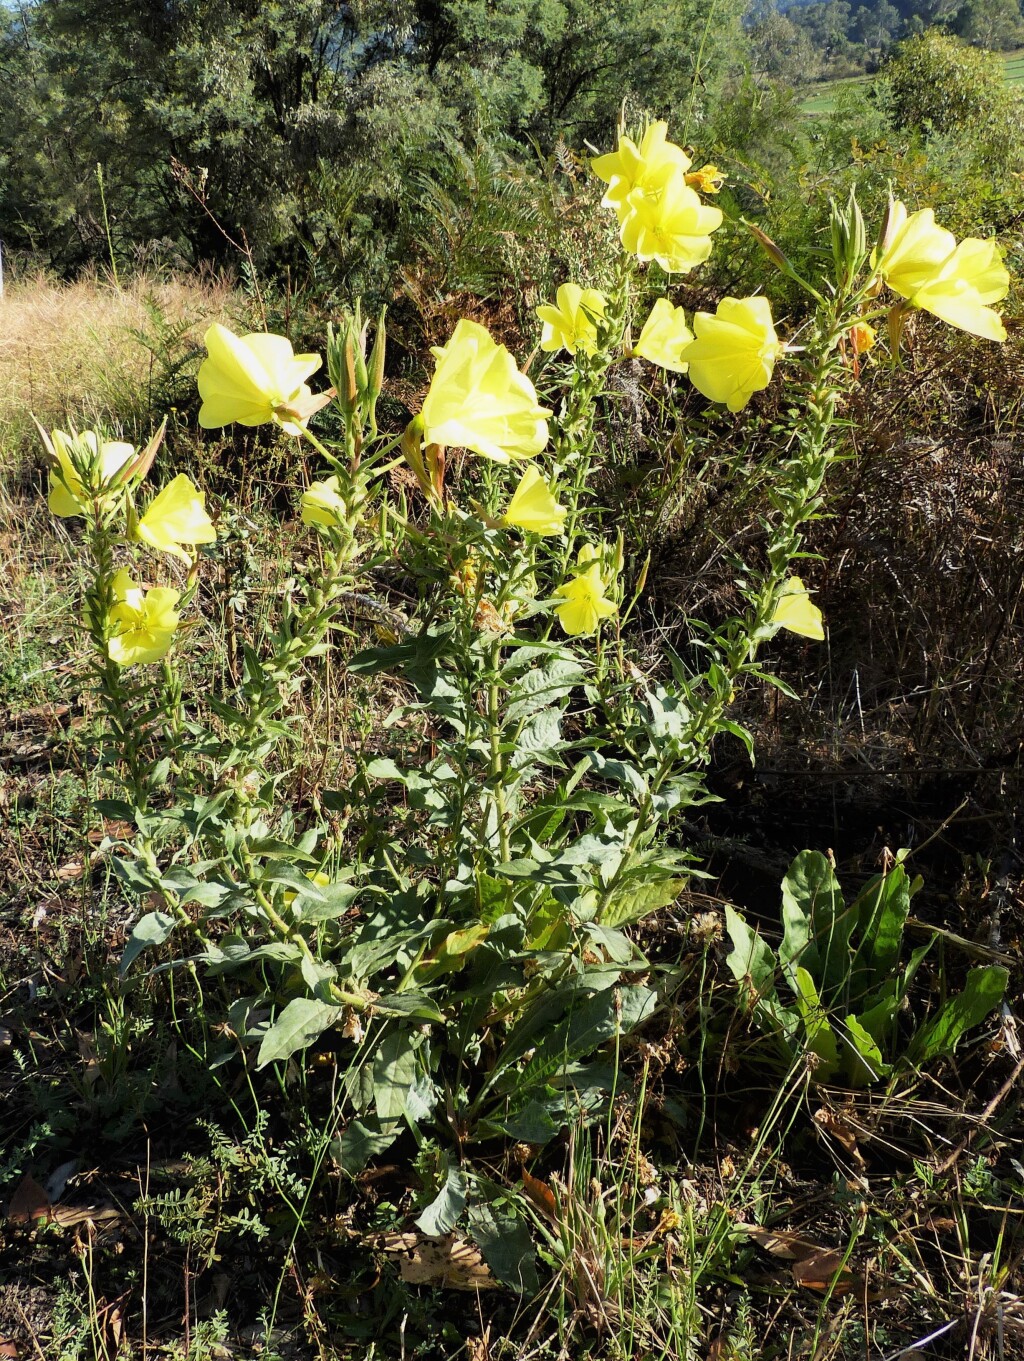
column 821, row 99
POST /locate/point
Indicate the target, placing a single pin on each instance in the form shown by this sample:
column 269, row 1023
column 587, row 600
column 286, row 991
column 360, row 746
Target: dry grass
column 90, row 352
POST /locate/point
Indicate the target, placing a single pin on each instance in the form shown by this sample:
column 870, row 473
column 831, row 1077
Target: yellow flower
column 176, row 516
column 665, row 336
column 796, row 611
column 570, row 325
column 142, row 624
column 479, row 400
column 321, row 504
column 533, row 506
column 671, row 226
column 253, row 380
column 68, row 493
column 914, row 250
column 645, row 167
column 862, row 337
column 735, row 351
column 708, row 179
column 584, row 601
column 957, row 283
column 973, row 277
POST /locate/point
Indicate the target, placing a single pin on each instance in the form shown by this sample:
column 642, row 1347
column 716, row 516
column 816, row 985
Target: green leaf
column 328, row 901
column 150, row 931
column 136, row 874
column 539, row 740
column 542, row 688
column 982, row 993
column 303, row 1020
column 394, row 1072
column 531, row 1125
column 590, row 1024
column 360, row 1141
column 881, row 910
column 507, row 1248
column 863, row 1060
column 752, row 961
column 816, row 924
column 818, row 1034
column 442, row 1214
column 632, row 901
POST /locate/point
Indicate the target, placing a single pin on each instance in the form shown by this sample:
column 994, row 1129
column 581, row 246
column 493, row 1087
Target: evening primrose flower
column 479, row 400
column 533, row 506
column 141, row 624
column 68, row 494
column 177, row 516
column 914, row 250
column 664, row 337
column 571, row 324
column 321, row 504
column 862, row 337
column 671, row 226
column 708, row 179
column 957, row 283
column 735, row 351
column 253, row 380
column 584, row 602
column 796, row 611
column 645, row 167
column 960, row 294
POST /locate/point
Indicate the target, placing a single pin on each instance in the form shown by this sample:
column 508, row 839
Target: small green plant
column 845, row 967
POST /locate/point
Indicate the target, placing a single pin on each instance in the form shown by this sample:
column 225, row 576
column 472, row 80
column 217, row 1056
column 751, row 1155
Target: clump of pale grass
column 92, row 353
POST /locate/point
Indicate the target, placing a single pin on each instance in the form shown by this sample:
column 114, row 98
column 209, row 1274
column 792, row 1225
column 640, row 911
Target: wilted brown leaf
column 449, row 1262
column 29, row 1202
column 541, row 1194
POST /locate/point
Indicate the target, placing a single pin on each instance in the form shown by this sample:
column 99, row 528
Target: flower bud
column 849, row 240
column 375, row 384
column 887, row 229
column 770, row 249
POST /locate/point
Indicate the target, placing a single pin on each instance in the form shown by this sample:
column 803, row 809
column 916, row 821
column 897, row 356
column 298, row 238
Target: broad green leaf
column 507, row 1248
column 531, row 1125
column 328, row 902
column 303, row 1020
column 880, row 910
column 982, row 992
column 394, row 1072
column 818, row 1034
column 816, row 924
column 539, row 740
column 360, row 1141
column 751, row 960
column 442, row 1214
column 632, row 901
column 590, row 1024
column 862, row 1060
column 151, row 930
column 542, row 688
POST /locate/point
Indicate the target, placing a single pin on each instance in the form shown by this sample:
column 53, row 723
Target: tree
column 269, row 118
column 877, row 26
column 781, row 50
column 934, row 81
column 992, row 24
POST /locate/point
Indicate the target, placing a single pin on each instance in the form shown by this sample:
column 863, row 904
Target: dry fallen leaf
column 8, row 1348
column 541, row 1194
column 29, row 1203
column 780, row 1242
column 449, row 1262
column 67, row 1216
column 812, row 1266
column 830, row 1123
